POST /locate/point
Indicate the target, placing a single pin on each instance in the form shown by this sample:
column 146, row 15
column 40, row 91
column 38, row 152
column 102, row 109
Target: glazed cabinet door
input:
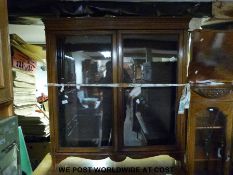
column 149, row 62
column 85, row 104
column 211, row 134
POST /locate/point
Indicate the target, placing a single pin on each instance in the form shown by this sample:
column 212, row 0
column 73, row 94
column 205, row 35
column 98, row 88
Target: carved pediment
column 212, row 91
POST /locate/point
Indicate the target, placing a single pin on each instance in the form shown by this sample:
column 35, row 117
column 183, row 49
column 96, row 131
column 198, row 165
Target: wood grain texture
column 2, row 84
column 212, row 56
column 6, row 95
column 119, row 23
column 196, row 109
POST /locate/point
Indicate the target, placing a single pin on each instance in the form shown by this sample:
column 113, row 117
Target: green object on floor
column 24, row 158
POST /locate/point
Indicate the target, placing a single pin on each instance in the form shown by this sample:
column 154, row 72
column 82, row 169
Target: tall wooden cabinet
column 210, row 131
column 6, row 96
column 102, row 93
column 211, row 109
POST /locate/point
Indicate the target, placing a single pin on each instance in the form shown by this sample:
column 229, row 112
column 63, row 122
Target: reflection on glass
column 211, row 56
column 150, row 58
column 150, row 112
column 210, row 142
column 85, row 113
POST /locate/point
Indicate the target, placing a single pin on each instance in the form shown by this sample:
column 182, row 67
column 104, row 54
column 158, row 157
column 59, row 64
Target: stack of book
column 32, row 119
column 25, row 105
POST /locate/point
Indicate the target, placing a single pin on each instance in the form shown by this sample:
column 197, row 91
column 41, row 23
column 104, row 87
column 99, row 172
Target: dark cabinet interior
column 148, row 116
column 85, row 112
column 210, row 141
column 210, row 130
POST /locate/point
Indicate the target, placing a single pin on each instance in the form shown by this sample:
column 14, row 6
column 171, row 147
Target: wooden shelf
column 200, row 154
column 205, row 160
column 208, row 127
column 201, row 157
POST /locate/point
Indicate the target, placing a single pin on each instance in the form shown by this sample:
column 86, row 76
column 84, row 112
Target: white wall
column 41, row 80
column 32, row 34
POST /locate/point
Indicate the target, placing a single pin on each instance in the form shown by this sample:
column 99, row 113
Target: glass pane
column 150, row 58
column 210, row 142
column 150, row 112
column 211, row 56
column 85, row 113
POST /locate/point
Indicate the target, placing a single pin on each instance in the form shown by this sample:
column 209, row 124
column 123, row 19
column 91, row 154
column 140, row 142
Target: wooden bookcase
column 120, row 36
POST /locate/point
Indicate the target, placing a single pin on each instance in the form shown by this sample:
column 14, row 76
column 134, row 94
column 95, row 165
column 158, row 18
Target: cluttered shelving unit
column 33, row 116
column 33, row 120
